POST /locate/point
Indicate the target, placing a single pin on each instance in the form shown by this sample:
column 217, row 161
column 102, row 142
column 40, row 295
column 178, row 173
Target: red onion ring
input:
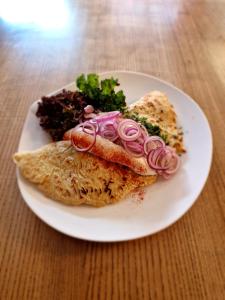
column 107, row 116
column 153, row 142
column 141, row 139
column 90, row 116
column 174, row 164
column 90, row 129
column 164, row 160
column 83, row 149
column 93, row 122
column 89, row 109
column 125, row 127
column 165, row 175
column 144, row 130
column 108, row 130
column 134, row 148
column 109, row 135
column 153, row 158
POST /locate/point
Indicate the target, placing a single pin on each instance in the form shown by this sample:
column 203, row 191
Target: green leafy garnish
column 165, row 138
column 102, row 94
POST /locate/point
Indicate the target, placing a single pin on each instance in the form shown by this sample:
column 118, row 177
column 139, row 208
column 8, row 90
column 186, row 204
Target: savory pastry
column 75, row 178
column 157, row 109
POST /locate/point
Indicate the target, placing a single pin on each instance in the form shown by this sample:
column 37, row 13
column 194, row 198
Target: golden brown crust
column 75, row 178
column 156, row 107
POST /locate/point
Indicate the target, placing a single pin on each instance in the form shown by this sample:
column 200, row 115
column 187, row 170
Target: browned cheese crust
column 75, row 178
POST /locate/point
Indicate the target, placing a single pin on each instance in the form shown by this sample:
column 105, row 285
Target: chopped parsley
column 152, row 129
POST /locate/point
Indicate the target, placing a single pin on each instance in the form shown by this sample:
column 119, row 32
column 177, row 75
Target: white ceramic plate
column 164, row 203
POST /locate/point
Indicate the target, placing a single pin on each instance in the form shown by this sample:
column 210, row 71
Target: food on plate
column 103, row 148
column 157, row 109
column 60, row 112
column 109, row 151
column 126, row 142
column 75, row 178
column 63, row 111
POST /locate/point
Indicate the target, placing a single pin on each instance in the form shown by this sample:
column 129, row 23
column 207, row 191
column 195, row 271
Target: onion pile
column 134, row 138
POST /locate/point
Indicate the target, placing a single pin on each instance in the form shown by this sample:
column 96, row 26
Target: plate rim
column 120, row 239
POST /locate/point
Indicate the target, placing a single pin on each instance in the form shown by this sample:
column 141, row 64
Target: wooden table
column 180, row 41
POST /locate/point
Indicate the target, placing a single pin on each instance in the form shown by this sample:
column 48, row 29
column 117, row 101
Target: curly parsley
column 102, row 93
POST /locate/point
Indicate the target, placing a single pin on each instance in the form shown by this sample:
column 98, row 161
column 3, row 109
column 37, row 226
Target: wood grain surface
column 180, row 41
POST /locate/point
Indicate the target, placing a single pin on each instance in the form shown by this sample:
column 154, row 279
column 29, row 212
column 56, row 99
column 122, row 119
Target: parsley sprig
column 102, row 93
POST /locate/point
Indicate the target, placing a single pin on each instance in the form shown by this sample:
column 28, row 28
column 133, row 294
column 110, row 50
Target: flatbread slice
column 75, row 178
column 156, row 107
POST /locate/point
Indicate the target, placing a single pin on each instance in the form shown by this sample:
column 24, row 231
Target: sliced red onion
column 164, row 160
column 94, row 123
column 109, row 135
column 83, row 149
column 88, row 128
column 154, row 157
column 165, row 175
column 141, row 139
column 108, row 130
column 153, row 142
column 108, row 124
column 90, row 116
column 144, row 130
column 173, row 165
column 89, row 109
column 134, row 148
column 107, row 116
column 129, row 130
